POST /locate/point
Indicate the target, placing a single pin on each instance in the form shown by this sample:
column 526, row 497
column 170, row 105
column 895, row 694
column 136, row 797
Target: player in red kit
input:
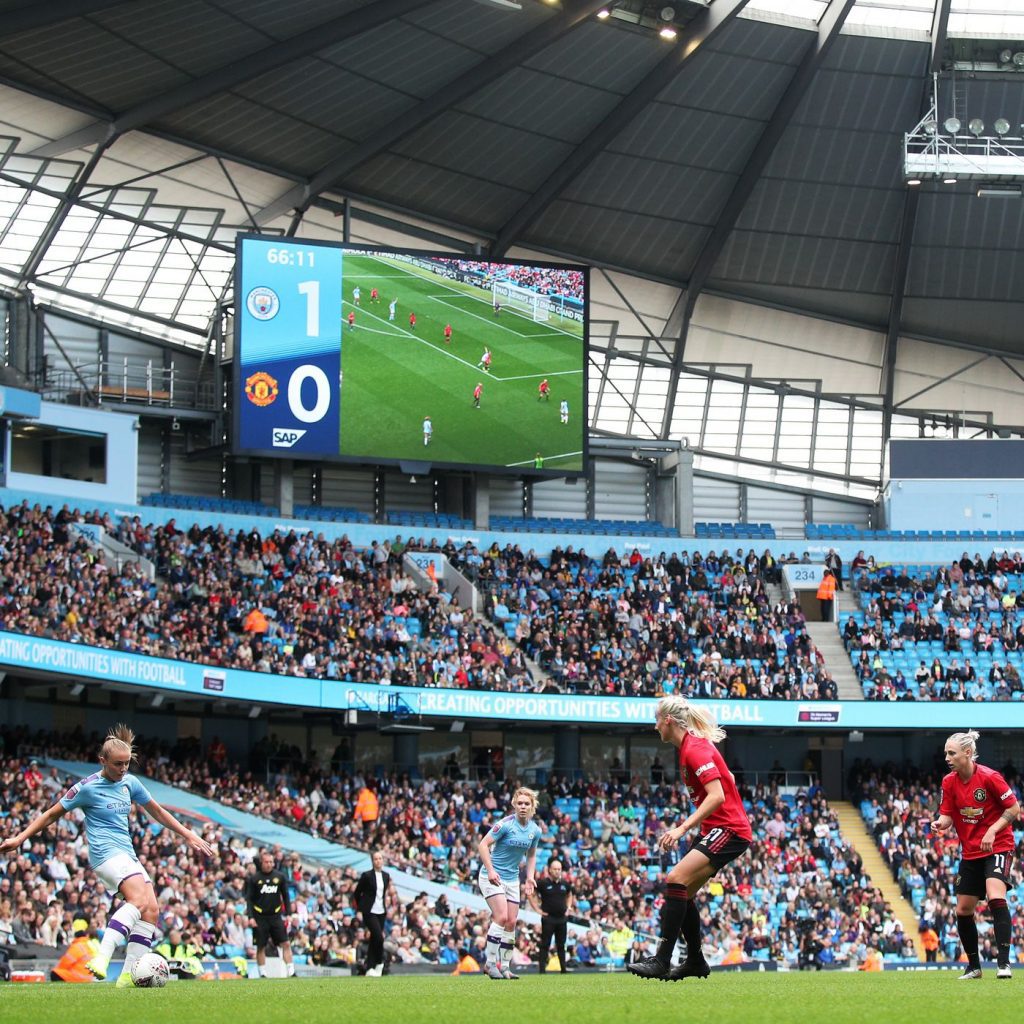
column 447, row 334
column 979, row 805
column 725, row 834
column 412, row 321
column 544, row 390
column 477, row 392
column 352, row 319
column 374, row 295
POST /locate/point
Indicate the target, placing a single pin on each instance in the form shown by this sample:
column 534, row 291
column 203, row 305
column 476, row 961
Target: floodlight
column 1018, row 58
column 1005, row 56
column 949, row 181
column 668, row 33
column 604, row 13
column 976, row 126
column 1002, row 126
column 952, row 125
column 913, row 181
column 931, row 127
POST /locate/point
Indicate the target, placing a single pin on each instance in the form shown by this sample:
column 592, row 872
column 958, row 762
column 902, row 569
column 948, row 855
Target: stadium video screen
column 348, row 353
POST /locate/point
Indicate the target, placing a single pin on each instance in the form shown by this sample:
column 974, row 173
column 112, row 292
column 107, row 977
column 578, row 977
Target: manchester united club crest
column 260, row 389
column 980, row 795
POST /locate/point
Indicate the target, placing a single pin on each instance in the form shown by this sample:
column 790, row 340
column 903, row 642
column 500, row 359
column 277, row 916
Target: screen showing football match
column 355, row 354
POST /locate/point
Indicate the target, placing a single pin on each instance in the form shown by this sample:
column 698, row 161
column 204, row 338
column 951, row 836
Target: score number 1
column 311, row 289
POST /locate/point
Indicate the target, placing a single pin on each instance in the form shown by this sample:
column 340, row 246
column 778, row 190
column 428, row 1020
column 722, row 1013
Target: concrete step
column 856, row 833
column 826, row 638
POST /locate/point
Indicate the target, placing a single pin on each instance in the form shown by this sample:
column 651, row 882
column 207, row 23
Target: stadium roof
column 758, row 155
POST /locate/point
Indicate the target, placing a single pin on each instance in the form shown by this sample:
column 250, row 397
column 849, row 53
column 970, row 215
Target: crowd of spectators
column 546, row 280
column 800, row 896
column 633, row 625
column 294, row 603
column 939, row 632
column 898, row 803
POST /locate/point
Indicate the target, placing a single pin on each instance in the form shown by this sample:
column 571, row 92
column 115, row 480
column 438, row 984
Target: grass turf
column 754, row 998
column 394, row 375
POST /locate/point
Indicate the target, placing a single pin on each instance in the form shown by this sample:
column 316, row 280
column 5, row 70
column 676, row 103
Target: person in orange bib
column 84, row 946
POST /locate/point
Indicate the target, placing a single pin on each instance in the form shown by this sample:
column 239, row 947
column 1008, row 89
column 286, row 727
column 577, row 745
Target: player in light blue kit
column 105, row 799
column 501, row 852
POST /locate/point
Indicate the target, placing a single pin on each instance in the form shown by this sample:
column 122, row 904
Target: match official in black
column 371, row 899
column 553, row 899
column 267, row 895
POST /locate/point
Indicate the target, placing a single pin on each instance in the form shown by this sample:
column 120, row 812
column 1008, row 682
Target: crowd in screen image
column 798, row 895
column 296, row 604
column 543, row 280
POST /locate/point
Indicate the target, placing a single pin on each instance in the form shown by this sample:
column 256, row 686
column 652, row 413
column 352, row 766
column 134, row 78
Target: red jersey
column 477, row 391
column 448, row 331
column 412, row 319
column 700, row 763
column 976, row 805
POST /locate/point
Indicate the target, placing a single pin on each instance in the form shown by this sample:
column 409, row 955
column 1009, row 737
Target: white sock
column 290, row 970
column 119, row 927
column 493, row 943
column 508, row 940
column 142, row 939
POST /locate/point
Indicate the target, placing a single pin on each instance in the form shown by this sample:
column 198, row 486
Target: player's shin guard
column 1002, row 927
column 673, row 911
column 143, row 938
column 967, row 928
column 119, row 927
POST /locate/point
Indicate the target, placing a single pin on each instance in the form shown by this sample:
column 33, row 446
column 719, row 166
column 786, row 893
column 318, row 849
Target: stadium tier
column 939, row 632
column 294, row 604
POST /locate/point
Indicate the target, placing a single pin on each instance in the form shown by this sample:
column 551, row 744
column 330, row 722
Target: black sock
column 691, row 932
column 1001, row 926
column 672, row 913
column 967, row 928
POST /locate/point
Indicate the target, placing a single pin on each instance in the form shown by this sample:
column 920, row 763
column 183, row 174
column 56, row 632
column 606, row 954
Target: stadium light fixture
column 976, row 127
column 952, row 125
column 949, row 181
column 1007, row 192
column 603, row 14
column 1001, row 126
column 254, row 711
column 76, row 689
column 668, row 33
column 157, row 700
column 1018, row 58
column 1005, row 56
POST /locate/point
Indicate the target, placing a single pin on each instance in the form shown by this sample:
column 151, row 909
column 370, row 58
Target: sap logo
column 286, row 438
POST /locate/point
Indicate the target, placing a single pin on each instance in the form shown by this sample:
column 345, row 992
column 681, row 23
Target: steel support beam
column 940, row 21
column 472, row 81
column 271, row 57
column 36, row 15
column 829, row 27
column 702, row 30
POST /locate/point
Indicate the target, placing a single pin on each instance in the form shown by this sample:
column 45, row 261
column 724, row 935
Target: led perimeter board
column 345, row 353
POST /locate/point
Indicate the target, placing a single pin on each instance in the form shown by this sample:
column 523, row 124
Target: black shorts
column 721, row 845
column 972, row 875
column 272, row 928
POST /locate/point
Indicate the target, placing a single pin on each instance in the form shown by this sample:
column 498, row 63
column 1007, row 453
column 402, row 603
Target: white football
column 150, row 971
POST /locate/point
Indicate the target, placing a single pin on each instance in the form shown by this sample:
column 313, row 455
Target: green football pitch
column 394, row 375
column 834, row 998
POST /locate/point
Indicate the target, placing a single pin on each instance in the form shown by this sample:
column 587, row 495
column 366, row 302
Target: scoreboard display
column 345, row 353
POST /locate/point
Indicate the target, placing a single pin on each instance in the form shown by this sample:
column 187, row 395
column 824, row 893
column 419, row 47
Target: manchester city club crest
column 263, row 303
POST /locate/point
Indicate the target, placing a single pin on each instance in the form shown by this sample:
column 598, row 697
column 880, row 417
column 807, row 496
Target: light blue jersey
column 510, row 843
column 106, row 806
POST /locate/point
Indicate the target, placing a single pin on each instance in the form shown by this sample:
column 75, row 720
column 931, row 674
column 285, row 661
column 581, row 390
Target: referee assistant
column 553, row 899
column 267, row 895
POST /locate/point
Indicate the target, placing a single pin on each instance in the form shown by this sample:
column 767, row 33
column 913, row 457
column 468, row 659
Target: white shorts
column 510, row 890
column 114, row 870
